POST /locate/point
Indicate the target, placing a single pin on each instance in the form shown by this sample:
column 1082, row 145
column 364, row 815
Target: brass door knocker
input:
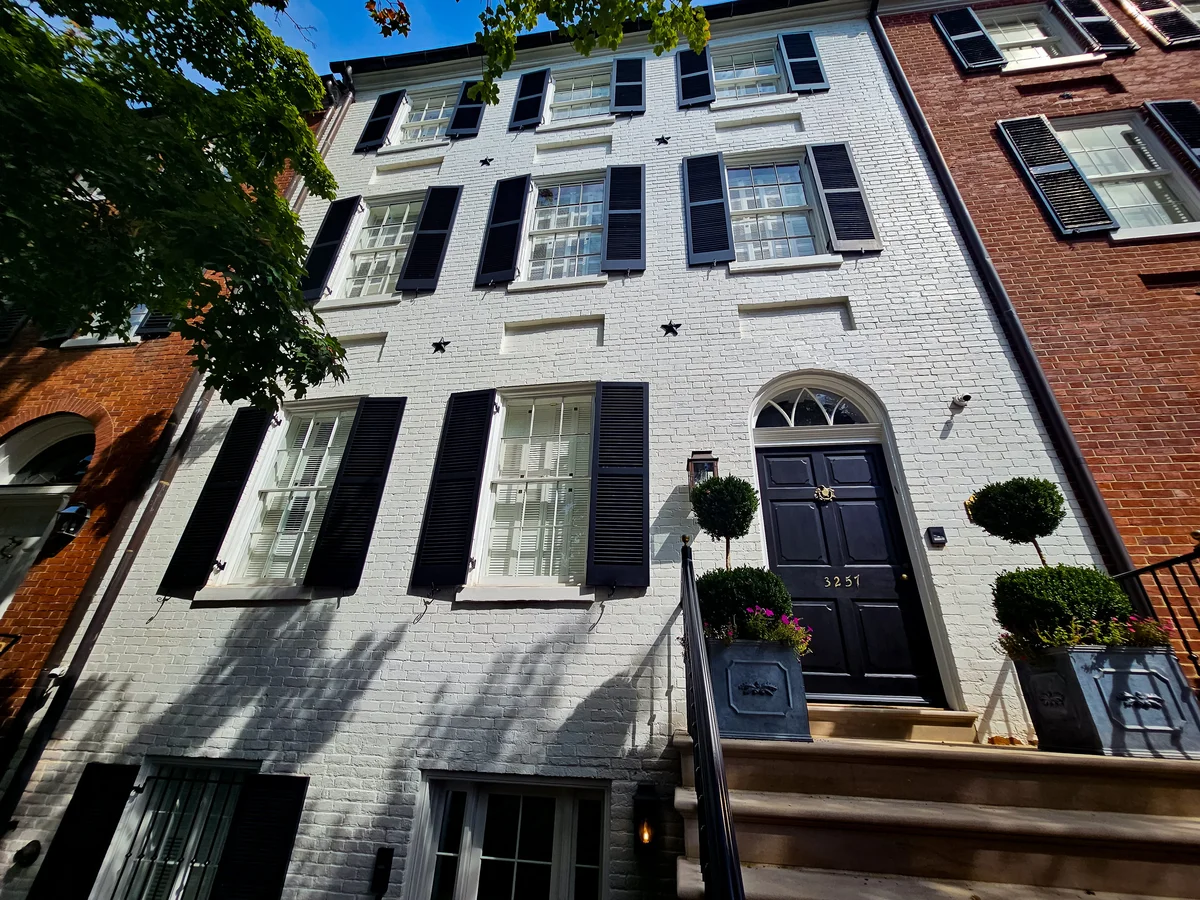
column 823, row 494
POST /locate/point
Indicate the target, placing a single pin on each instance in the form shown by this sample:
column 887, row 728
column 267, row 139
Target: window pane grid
column 1024, row 37
column 565, row 238
column 746, row 73
column 786, row 230
column 428, row 117
column 576, row 96
column 376, row 259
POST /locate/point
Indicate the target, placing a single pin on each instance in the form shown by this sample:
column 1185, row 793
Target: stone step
column 989, row 776
column 892, row 723
column 1083, row 850
column 788, row 883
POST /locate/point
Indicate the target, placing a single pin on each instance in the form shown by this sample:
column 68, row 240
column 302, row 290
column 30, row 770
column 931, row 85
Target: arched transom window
column 799, row 407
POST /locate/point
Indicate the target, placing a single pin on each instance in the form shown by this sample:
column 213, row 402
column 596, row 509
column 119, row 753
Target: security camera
column 961, row 401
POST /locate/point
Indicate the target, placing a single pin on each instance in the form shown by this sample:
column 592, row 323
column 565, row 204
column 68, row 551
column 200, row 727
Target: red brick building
column 1087, row 199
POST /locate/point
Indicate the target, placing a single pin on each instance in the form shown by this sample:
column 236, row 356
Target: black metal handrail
column 1171, row 587
column 720, row 866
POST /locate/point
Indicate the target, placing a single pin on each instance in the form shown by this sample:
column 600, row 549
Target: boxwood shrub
column 1028, row 601
column 725, row 593
column 1019, row 510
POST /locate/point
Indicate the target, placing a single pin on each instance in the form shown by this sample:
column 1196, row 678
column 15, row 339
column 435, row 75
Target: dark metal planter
column 1124, row 701
column 758, row 687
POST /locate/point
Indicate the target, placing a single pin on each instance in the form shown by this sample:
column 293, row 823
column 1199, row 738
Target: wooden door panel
column 885, row 639
column 864, row 527
column 847, row 469
column 829, row 655
column 801, row 537
column 792, row 471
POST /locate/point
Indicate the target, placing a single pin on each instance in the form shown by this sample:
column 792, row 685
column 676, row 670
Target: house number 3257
column 838, row 581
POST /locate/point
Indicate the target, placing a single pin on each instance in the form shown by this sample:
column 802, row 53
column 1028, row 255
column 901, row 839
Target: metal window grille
column 567, row 224
column 577, row 96
column 772, row 212
column 376, row 260
column 751, row 72
column 428, row 117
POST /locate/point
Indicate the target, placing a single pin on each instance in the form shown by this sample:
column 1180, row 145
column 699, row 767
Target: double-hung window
column 567, row 222
column 1028, row 34
column 137, row 316
column 428, row 116
column 581, row 94
column 771, row 208
column 378, row 254
column 540, row 490
column 750, row 71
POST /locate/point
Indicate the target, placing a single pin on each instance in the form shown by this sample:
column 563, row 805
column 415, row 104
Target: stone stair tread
column 790, row 883
column 1128, row 830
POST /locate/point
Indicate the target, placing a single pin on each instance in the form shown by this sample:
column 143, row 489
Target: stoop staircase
column 875, row 819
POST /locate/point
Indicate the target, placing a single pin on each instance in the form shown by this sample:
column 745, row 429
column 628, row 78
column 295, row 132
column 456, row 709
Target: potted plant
column 754, row 641
column 1096, row 678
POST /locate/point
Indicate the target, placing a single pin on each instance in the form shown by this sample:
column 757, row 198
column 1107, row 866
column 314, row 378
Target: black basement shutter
column 1180, row 119
column 77, row 851
column 706, row 207
column 628, row 86
column 444, row 548
column 12, row 319
column 804, row 70
column 1105, row 34
column 467, row 115
column 968, row 40
column 619, row 527
column 155, row 325
column 531, row 97
column 345, row 536
column 323, row 254
column 498, row 258
column 258, row 847
column 624, row 240
column 1165, row 20
column 849, row 218
column 423, row 263
column 1063, row 190
column 695, row 79
column 201, row 541
column 374, row 134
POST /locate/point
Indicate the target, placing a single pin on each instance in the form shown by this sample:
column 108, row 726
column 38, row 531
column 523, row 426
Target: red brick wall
column 128, row 394
column 1124, row 360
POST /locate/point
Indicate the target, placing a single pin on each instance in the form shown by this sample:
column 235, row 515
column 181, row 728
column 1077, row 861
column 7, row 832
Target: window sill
column 503, row 593
column 1062, row 62
column 254, row 593
column 1122, row 235
column 356, row 302
column 408, row 147
column 743, row 102
column 554, row 284
column 569, row 124
column 824, row 261
column 93, row 344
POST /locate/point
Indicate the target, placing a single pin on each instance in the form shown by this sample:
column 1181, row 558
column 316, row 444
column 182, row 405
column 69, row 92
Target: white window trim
column 582, row 122
column 763, row 100
column 782, row 156
column 554, row 284
column 413, row 145
column 90, row 339
column 522, row 281
column 820, row 261
column 340, row 272
column 1054, row 28
column 396, row 142
column 748, row 46
column 548, row 122
column 1059, row 62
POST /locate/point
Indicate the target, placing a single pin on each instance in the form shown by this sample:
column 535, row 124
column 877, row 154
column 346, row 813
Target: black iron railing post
column 1176, row 588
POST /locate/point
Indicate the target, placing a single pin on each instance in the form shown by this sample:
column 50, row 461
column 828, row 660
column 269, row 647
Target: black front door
column 833, row 536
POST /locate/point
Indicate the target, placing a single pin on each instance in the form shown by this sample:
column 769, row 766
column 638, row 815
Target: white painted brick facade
column 364, row 693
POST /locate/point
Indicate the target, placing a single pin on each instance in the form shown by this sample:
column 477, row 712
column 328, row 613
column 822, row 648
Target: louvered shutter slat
column 193, row 560
column 851, row 225
column 1064, row 192
column 467, row 115
column 1165, row 20
column 805, row 71
column 1180, row 119
column 427, row 252
column 155, row 325
column 968, row 40
column 258, row 847
column 624, row 239
column 444, row 548
column 375, row 132
column 340, row 551
column 531, row 98
column 323, row 254
column 695, row 81
column 498, row 256
column 12, row 320
column 628, row 86
column 707, row 225
column 1091, row 18
column 619, row 533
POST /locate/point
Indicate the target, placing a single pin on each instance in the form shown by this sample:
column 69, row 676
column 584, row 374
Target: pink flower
column 768, row 614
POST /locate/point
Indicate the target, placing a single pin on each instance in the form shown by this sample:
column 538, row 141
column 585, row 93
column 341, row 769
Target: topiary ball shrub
column 1028, row 601
column 725, row 508
column 726, row 593
column 1020, row 510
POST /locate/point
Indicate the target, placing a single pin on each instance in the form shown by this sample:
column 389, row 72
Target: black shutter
column 531, row 97
column 851, row 225
column 444, row 548
column 201, row 541
column 623, row 244
column 1105, row 34
column 323, row 254
column 695, row 79
column 968, row 40
column 467, row 115
column 258, row 847
column 805, row 72
column 498, row 257
column 1180, row 119
column 77, row 850
column 155, row 325
column 374, row 134
column 1165, row 20
column 619, row 516
column 1064, row 192
column 423, row 262
column 12, row 320
column 706, row 210
column 628, row 86
column 341, row 547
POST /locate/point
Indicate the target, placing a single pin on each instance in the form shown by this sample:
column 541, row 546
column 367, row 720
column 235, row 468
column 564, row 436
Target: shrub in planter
column 725, row 508
column 1019, row 511
column 725, row 594
column 1033, row 601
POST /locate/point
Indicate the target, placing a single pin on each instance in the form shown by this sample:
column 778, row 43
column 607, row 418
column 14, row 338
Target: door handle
column 904, row 576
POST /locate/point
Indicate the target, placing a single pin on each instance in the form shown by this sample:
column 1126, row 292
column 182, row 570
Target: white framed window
column 1192, row 9
column 540, row 491
column 1131, row 170
column 771, row 205
column 91, row 339
column 514, row 842
column 581, row 94
column 1028, row 34
column 565, row 229
column 428, row 116
column 746, row 71
column 379, row 251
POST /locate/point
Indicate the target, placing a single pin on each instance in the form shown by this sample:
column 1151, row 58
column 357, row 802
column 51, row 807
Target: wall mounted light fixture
column 647, row 819
column 71, row 519
column 701, row 466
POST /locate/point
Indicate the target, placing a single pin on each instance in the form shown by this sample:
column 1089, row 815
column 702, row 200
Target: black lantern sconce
column 647, row 819
column 71, row 519
column 701, row 465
